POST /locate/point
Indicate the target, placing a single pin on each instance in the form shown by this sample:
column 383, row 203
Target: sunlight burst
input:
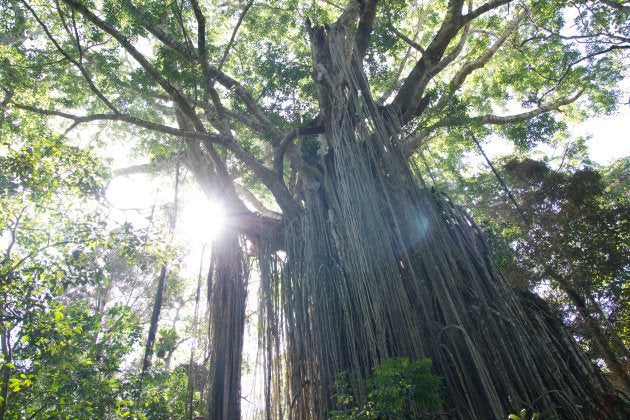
column 201, row 220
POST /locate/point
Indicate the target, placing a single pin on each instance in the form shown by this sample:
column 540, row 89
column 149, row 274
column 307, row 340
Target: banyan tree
column 306, row 120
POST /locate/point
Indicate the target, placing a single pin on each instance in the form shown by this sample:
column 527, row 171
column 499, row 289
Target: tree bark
column 227, row 295
column 378, row 267
column 5, row 371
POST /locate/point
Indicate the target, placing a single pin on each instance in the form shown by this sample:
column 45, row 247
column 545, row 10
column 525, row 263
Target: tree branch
column 422, row 136
column 366, row 22
column 510, row 119
column 160, row 128
column 140, row 59
column 448, row 59
column 614, row 5
column 484, row 8
column 234, row 32
column 171, row 43
column 161, row 165
column 406, row 39
column 409, row 97
column 256, row 203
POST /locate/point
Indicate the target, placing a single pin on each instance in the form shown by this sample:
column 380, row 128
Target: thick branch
column 406, row 102
column 510, row 119
column 449, row 58
column 140, row 58
column 407, row 99
column 364, row 30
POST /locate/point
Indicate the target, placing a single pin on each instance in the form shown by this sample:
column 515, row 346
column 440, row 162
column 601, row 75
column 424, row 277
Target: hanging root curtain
column 227, row 295
column 379, row 267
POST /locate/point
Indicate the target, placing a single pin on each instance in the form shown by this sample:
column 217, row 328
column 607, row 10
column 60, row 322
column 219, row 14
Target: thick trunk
column 378, row 267
column 227, row 293
column 354, row 296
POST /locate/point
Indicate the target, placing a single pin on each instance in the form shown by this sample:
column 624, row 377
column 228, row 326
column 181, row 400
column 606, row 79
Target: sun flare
column 201, row 220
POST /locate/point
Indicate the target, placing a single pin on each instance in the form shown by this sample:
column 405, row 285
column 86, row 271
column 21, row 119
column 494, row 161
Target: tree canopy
column 241, row 74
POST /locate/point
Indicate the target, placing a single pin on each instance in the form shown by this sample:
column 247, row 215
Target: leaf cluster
column 397, row 389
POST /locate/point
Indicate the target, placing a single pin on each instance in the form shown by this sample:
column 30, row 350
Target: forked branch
column 173, row 93
column 407, row 101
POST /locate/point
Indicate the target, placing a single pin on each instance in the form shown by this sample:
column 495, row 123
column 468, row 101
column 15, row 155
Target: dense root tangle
column 227, row 295
column 378, row 267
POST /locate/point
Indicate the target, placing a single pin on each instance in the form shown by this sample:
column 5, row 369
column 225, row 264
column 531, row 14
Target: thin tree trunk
column 159, row 293
column 155, row 318
column 593, row 329
column 190, row 389
column 5, row 370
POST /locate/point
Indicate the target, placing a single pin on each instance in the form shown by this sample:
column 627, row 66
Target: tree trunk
column 5, row 370
column 378, row 267
column 227, row 294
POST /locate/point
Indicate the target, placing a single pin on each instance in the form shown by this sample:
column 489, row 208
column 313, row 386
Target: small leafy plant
column 397, row 389
column 523, row 415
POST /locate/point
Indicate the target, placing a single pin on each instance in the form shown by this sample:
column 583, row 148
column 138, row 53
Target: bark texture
column 379, row 267
column 227, row 295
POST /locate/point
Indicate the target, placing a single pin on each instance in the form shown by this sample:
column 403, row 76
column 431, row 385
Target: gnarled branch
column 409, row 97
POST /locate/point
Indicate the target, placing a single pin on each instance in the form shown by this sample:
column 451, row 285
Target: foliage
column 63, row 346
column 70, row 361
column 163, row 395
column 398, row 388
column 237, row 89
column 573, row 245
column 523, row 416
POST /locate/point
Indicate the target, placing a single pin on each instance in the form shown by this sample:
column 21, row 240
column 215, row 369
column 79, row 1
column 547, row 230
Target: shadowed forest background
column 312, row 209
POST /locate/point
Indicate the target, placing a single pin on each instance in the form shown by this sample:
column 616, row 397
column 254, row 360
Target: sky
column 610, row 136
